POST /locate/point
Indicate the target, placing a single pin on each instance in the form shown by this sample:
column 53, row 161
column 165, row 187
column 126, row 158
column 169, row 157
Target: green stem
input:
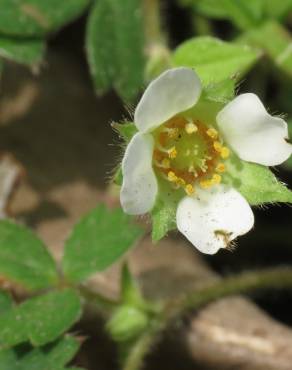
column 247, row 282
column 104, row 305
column 139, row 350
column 153, row 30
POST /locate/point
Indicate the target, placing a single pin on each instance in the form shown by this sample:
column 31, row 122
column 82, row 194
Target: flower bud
column 126, row 323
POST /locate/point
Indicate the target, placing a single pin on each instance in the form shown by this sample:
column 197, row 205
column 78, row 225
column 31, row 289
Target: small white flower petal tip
column 214, row 218
column 252, row 133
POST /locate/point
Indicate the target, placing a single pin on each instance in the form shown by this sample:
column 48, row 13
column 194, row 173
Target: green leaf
column 215, row 60
column 22, row 51
column 115, row 45
column 40, row 319
column 243, row 13
column 275, row 41
column 50, row 357
column 5, row 302
column 278, row 9
column 24, row 258
column 35, row 18
column 97, row 241
column 255, row 182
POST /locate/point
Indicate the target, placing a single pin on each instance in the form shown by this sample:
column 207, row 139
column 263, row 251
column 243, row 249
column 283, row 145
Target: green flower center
column 188, row 152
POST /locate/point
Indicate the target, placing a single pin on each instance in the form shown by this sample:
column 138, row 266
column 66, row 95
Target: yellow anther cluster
column 222, row 150
column 190, row 128
column 212, row 133
column 190, row 154
column 172, row 152
column 220, row 167
column 189, row 189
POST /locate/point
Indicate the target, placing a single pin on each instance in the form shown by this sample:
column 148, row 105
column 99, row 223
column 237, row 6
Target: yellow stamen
column 220, row 167
column 189, row 189
column 212, row 133
column 205, row 184
column 190, row 128
column 172, row 133
column 172, row 176
column 217, row 146
column 165, row 163
column 225, row 152
column 216, row 179
column 172, row 152
column 180, row 181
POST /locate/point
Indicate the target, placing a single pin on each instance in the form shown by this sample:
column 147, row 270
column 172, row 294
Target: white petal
column 252, row 133
column 214, row 218
column 174, row 91
column 139, row 188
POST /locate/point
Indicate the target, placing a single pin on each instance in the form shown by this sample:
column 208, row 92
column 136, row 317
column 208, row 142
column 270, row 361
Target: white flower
column 173, row 146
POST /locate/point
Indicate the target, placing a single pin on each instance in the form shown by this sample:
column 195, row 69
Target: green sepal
column 255, row 182
column 163, row 214
column 221, row 92
column 126, row 130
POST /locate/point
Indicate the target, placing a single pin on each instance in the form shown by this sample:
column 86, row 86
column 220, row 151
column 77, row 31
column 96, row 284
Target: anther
column 220, row 167
column 190, row 128
column 172, row 176
column 189, row 189
column 205, row 184
column 225, row 152
column 172, row 152
column 216, row 179
column 165, row 163
column 180, row 181
column 212, row 133
column 171, row 132
column 217, row 146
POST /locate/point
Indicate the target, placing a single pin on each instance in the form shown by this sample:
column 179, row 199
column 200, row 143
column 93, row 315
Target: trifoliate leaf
column 40, row 319
column 35, row 18
column 24, row 258
column 255, row 182
column 215, row 60
column 97, row 241
column 28, row 51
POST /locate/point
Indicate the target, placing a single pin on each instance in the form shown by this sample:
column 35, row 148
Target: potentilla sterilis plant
column 181, row 147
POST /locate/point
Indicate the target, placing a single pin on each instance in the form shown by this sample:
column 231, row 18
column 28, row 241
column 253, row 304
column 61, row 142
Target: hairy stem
column 247, row 282
column 153, row 29
column 137, row 353
column 101, row 303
